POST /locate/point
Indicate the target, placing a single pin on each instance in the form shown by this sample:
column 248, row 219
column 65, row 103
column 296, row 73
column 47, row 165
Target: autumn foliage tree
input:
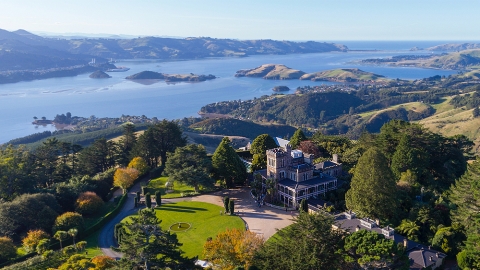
column 139, row 164
column 103, row 262
column 124, row 178
column 232, row 248
column 88, row 203
column 32, row 239
column 69, row 220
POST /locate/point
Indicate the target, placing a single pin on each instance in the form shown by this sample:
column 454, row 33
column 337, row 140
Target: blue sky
column 251, row 19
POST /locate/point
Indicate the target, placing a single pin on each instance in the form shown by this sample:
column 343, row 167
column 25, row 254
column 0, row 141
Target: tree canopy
column 227, row 165
column 259, row 148
column 309, row 243
column 297, row 138
column 373, row 188
column 190, row 165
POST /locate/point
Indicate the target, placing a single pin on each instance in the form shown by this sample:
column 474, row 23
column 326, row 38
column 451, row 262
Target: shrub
column 69, row 220
column 7, row 249
column 226, row 201
column 231, row 207
column 148, row 200
column 43, row 246
column 139, row 164
column 88, row 203
column 103, row 262
column 158, row 198
column 32, row 239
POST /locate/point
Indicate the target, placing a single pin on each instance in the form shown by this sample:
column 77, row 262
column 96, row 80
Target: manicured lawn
column 205, row 220
column 178, row 188
column 92, row 248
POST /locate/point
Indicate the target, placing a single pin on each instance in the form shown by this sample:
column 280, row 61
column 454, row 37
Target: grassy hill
column 271, row 72
column 345, row 75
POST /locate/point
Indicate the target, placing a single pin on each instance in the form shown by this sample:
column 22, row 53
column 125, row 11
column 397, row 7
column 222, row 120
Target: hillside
column 454, row 47
column 271, row 72
column 230, row 126
column 282, row 72
column 462, row 60
column 345, row 75
column 99, row 75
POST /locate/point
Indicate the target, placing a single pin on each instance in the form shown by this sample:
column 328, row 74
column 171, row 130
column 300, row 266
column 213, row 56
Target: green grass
column 205, row 219
column 178, row 188
column 92, row 248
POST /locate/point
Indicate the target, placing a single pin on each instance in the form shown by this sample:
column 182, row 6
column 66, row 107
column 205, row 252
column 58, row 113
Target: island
column 99, row 75
column 152, row 75
column 282, row 72
column 281, row 88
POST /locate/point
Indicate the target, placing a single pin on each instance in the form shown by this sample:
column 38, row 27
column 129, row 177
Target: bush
column 226, row 201
column 7, row 249
column 32, row 239
column 103, row 262
column 148, row 200
column 88, row 203
column 139, row 164
column 231, row 207
column 69, row 220
column 158, row 198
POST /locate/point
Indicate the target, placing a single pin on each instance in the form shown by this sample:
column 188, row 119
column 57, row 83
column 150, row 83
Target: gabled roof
column 307, row 183
column 281, row 142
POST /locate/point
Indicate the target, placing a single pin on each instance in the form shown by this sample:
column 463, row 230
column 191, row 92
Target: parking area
column 263, row 220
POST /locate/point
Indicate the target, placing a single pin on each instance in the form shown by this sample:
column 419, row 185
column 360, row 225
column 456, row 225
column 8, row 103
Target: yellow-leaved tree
column 232, row 248
column 32, row 239
column 140, row 164
column 124, row 178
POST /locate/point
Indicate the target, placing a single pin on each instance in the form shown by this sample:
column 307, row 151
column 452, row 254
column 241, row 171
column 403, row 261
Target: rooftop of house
column 307, row 183
column 420, row 256
column 281, row 142
column 326, row 164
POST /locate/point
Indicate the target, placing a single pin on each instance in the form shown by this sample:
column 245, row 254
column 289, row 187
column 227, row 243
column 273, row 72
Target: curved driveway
column 263, row 220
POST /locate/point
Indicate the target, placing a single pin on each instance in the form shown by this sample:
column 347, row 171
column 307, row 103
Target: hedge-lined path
column 262, row 220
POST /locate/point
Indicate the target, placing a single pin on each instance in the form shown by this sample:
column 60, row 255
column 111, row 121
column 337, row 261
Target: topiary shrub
column 148, row 200
column 226, row 201
column 231, row 207
column 158, row 198
column 88, row 203
column 69, row 220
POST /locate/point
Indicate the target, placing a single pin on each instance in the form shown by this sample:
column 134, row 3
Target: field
column 205, row 221
column 412, row 106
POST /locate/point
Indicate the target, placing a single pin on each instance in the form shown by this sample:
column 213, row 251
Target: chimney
column 436, row 254
column 429, row 247
column 405, row 242
column 357, row 228
column 431, row 258
column 335, row 158
column 377, row 221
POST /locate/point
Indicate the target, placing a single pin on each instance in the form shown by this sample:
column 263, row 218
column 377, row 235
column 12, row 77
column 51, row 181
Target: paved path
column 262, row 220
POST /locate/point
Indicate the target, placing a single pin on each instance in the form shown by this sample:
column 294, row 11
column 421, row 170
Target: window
column 305, row 176
column 282, row 175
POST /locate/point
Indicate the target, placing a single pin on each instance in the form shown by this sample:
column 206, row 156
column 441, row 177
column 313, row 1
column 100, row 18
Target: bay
column 82, row 96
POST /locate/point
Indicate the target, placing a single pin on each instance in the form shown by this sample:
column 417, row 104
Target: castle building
column 294, row 175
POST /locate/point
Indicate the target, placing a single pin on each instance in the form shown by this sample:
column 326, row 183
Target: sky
column 251, row 19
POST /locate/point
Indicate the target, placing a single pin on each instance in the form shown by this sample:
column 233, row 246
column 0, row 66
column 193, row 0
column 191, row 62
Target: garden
column 194, row 222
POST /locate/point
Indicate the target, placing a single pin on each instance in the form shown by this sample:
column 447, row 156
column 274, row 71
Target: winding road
column 262, row 220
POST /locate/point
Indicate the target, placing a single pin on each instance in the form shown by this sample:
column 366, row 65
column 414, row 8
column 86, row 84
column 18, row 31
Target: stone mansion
column 295, row 175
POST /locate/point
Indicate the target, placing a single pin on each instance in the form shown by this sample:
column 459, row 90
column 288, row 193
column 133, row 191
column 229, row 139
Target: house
column 294, row 175
column 331, row 167
column 420, row 256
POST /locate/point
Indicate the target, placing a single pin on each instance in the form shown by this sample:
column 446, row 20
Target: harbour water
column 83, row 96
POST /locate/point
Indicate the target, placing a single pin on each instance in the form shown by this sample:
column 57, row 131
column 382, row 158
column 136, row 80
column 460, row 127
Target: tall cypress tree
column 260, row 145
column 373, row 188
column 403, row 158
column 227, row 165
column 297, row 138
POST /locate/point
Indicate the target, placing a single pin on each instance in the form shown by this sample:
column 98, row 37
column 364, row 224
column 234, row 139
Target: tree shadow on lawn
column 258, row 215
column 172, row 207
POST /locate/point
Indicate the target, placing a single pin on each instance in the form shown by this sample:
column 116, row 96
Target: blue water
column 82, row 96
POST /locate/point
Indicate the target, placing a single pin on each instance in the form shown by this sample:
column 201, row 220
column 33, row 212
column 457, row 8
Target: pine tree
column 466, row 196
column 373, row 188
column 227, row 165
column 260, row 145
column 297, row 138
column 403, row 158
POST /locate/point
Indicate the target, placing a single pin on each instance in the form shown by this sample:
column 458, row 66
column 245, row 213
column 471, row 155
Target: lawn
column 205, row 220
column 92, row 248
column 178, row 188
